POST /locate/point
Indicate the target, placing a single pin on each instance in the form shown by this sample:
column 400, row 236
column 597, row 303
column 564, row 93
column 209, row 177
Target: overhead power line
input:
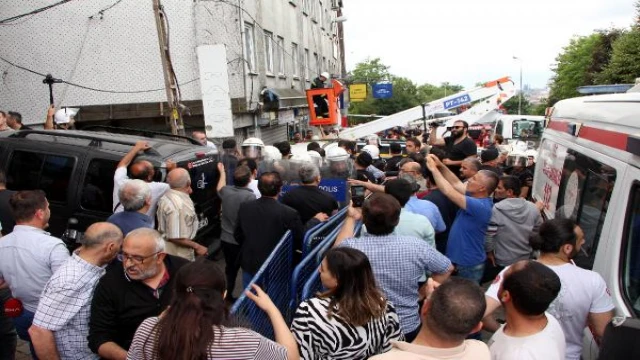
column 33, row 12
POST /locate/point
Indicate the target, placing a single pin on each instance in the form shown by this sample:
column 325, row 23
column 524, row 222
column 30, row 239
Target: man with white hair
column 61, row 322
column 177, row 218
column 135, row 197
column 308, row 199
column 138, row 288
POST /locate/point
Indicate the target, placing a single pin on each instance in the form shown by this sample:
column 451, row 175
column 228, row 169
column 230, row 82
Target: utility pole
column 171, row 86
column 519, row 97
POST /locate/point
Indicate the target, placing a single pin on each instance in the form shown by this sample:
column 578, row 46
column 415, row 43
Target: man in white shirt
column 61, row 324
column 527, row 290
column 201, row 137
column 583, row 299
column 142, row 170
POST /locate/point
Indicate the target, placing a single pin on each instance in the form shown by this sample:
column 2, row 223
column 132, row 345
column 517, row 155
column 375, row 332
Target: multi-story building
column 107, row 53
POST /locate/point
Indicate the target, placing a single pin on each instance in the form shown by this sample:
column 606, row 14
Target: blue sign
column 455, row 102
column 382, row 90
column 336, row 187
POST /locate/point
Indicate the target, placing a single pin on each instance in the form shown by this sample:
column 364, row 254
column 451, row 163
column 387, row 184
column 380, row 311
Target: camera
column 357, row 195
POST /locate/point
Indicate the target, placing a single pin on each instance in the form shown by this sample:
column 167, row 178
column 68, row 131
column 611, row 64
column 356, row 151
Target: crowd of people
column 438, row 222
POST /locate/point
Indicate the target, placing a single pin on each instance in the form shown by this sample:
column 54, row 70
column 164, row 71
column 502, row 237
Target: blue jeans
column 473, row 273
column 22, row 324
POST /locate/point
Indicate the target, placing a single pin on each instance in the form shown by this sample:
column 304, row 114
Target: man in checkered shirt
column 61, row 323
column 398, row 262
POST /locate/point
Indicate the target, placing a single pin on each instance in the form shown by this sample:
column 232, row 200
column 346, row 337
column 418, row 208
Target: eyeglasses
column 137, row 259
column 458, row 127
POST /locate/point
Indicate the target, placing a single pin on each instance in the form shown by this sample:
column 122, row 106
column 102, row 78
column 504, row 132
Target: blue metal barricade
column 318, row 233
column 309, row 265
column 273, row 277
column 312, row 286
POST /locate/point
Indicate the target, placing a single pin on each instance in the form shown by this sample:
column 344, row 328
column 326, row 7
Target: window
column 50, row 173
column 317, row 64
column 314, row 11
column 631, row 256
column 306, row 64
column 97, row 188
column 324, row 64
column 320, row 14
column 280, row 52
column 305, row 7
column 294, row 59
column 499, row 127
column 583, row 195
column 249, row 47
column 268, row 52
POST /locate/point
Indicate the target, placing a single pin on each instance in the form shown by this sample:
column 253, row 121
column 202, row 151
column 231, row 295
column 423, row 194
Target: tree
column 624, row 66
column 571, row 67
column 511, row 105
column 370, row 71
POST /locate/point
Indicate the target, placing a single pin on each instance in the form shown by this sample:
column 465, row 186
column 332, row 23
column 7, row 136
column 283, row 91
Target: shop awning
column 278, row 99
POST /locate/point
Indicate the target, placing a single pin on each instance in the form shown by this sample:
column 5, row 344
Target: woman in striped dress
column 351, row 320
column 192, row 328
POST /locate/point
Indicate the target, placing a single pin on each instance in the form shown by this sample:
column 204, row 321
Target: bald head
column 101, row 233
column 411, row 168
column 142, row 170
column 179, row 179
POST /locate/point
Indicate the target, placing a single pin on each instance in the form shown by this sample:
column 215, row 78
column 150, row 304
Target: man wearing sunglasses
column 138, row 287
column 458, row 145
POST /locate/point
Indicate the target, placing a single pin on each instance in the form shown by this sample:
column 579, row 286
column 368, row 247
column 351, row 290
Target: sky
column 469, row 41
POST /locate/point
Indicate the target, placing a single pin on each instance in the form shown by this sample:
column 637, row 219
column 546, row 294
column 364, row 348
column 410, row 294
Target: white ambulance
column 588, row 169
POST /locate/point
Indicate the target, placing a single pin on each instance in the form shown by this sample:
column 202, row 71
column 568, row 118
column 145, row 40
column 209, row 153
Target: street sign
column 382, row 90
column 357, row 92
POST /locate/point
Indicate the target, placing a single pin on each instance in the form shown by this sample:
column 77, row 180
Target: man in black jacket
column 139, row 287
column 261, row 224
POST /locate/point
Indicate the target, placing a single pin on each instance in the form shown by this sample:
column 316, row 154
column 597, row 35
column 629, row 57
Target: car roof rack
column 145, row 133
column 95, row 140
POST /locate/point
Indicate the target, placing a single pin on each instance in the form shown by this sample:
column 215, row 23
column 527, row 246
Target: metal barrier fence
column 273, row 277
column 309, row 265
column 318, row 233
column 313, row 285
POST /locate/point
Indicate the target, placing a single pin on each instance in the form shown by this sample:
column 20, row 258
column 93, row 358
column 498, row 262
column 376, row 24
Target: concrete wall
column 119, row 51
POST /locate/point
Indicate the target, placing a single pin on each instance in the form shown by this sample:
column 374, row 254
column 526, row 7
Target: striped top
column 319, row 337
column 228, row 343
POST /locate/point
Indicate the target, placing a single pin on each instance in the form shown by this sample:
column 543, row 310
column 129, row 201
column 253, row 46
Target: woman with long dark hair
column 351, row 319
column 193, row 327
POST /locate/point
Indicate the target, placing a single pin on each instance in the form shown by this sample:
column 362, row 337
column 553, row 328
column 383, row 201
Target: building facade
column 107, row 54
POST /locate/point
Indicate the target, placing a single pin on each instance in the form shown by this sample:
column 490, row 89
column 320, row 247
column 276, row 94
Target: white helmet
column 372, row 150
column 252, row 148
column 64, row 115
column 326, row 75
column 271, row 153
column 336, row 153
column 300, row 157
column 315, row 157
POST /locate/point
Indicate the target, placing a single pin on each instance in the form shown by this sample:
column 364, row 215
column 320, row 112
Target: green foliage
column 511, row 105
column 571, row 70
column 624, row 66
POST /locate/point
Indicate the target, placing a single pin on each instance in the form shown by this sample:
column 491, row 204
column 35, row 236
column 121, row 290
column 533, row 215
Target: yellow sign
column 358, row 92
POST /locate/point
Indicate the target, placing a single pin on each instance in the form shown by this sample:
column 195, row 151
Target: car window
column 97, row 186
column 631, row 253
column 50, row 173
column 583, row 196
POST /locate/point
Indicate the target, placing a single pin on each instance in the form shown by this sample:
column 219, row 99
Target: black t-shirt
column 309, row 200
column 448, row 210
column 364, row 175
column 392, row 163
column 6, row 218
column 459, row 151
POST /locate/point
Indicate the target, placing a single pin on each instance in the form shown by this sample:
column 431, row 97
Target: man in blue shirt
column 135, row 197
column 465, row 247
column 424, row 207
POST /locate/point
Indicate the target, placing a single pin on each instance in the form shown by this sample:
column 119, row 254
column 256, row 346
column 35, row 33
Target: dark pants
column 473, row 273
column 8, row 336
column 409, row 337
column 22, row 324
column 232, row 260
column 490, row 272
column 322, row 108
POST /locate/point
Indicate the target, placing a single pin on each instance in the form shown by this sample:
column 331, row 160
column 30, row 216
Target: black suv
column 76, row 168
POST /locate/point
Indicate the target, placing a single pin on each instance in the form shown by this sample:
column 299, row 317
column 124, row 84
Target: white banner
column 214, row 82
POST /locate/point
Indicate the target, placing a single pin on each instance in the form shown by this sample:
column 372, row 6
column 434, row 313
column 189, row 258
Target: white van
column 588, row 168
column 527, row 128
